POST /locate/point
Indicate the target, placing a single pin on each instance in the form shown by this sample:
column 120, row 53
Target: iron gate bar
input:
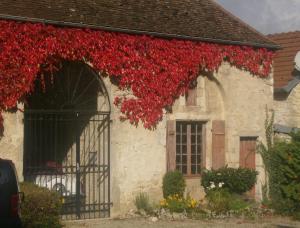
column 65, row 137
column 77, row 167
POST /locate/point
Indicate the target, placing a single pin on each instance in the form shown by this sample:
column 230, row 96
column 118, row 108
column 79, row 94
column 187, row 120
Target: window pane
column 178, row 167
column 199, row 138
column 178, row 147
column 193, row 149
column 178, row 141
column 198, row 159
column 184, row 169
column 184, row 149
column 184, row 139
column 194, row 161
column 199, row 148
column 184, row 159
column 178, row 159
column 193, row 128
column 199, row 169
column 199, row 128
column 194, row 169
column 193, row 139
column 177, row 128
column 184, row 128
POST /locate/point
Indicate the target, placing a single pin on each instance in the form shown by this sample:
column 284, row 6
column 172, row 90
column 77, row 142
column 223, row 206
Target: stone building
column 286, row 82
column 217, row 123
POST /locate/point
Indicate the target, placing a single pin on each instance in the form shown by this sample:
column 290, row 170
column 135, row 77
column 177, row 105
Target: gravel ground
column 147, row 223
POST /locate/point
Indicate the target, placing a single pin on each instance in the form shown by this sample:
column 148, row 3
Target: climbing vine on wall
column 157, row 71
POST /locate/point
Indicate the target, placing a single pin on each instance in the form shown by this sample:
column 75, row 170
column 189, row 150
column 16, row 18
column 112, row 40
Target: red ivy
column 157, row 71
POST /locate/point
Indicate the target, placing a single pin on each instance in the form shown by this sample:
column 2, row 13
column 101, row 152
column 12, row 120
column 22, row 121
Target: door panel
column 247, row 155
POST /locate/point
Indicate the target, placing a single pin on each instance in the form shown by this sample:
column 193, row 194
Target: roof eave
column 137, row 32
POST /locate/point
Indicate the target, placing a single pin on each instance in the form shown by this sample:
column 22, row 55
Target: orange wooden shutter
column 247, row 152
column 247, row 155
column 218, row 144
column 171, row 145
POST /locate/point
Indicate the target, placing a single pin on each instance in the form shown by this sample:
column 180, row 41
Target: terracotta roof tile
column 191, row 19
column 284, row 60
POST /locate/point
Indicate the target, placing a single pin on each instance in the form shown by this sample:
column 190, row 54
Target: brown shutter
column 218, row 144
column 247, row 155
column 171, row 145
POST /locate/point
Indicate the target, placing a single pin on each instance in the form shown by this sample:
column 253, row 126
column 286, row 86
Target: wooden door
column 247, row 155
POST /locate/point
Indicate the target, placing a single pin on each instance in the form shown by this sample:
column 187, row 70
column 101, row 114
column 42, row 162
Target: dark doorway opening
column 67, row 140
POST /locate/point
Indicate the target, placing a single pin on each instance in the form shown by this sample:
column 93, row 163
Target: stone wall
column 138, row 156
column 287, row 110
column 11, row 145
column 246, row 100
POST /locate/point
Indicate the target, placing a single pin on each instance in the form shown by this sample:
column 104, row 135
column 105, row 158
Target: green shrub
column 173, row 184
column 221, row 201
column 142, row 202
column 176, row 203
column 238, row 180
column 237, row 203
column 218, row 200
column 282, row 162
column 40, row 208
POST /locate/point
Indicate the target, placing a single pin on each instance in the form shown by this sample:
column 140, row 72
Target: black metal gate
column 68, row 151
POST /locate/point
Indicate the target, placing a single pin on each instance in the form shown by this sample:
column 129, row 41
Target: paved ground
column 146, row 223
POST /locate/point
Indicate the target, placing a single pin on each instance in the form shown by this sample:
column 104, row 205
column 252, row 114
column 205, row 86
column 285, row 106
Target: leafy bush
column 173, row 183
column 282, row 162
column 40, row 208
column 238, row 180
column 281, row 158
column 218, row 200
column 221, row 201
column 142, row 203
column 237, row 203
column 176, row 203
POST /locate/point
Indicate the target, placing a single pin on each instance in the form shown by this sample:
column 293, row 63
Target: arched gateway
column 67, row 139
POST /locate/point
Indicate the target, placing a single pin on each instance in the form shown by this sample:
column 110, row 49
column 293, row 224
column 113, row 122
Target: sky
column 266, row 16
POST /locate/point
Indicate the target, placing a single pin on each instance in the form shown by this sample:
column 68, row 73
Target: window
column 189, row 147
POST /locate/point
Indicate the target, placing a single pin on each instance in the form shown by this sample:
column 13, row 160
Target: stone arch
column 75, row 86
column 215, row 97
column 67, row 136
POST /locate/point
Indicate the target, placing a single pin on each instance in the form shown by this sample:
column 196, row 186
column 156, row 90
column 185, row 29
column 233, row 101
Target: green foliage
column 282, row 164
column 218, row 200
column 40, row 208
column 283, row 167
column 173, row 183
column 142, row 203
column 238, row 180
column 237, row 203
column 296, row 215
column 221, row 201
column 176, row 203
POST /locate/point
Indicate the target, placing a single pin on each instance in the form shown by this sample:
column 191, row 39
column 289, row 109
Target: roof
column 202, row 20
column 287, row 89
column 278, row 128
column 284, row 59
